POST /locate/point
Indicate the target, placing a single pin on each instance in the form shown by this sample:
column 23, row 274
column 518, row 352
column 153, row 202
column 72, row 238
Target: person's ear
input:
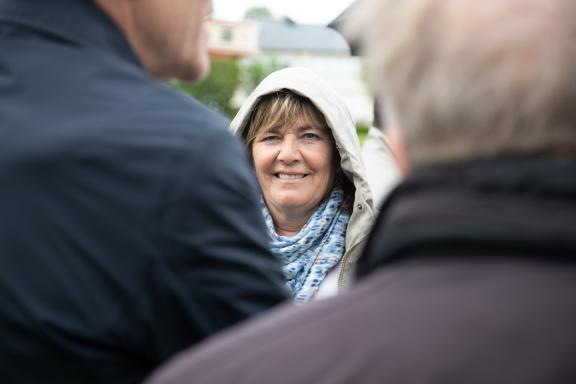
column 397, row 147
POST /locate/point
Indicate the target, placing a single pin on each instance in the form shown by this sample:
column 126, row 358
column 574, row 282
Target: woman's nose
column 289, row 151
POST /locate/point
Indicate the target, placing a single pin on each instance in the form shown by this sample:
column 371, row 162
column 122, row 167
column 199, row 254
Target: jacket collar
column 517, row 206
column 78, row 22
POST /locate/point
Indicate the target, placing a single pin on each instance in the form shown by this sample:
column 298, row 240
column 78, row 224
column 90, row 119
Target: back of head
column 468, row 79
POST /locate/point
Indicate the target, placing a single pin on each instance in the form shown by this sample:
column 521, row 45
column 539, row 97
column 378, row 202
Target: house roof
column 286, row 35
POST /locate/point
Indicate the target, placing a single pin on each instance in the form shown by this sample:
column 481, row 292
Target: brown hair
column 278, row 109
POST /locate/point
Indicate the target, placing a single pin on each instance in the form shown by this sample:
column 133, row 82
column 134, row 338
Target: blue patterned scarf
column 308, row 256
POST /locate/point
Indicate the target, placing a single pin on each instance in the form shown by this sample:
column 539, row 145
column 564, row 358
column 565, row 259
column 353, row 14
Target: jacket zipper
column 343, row 262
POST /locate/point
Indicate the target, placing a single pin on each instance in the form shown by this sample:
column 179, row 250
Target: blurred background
column 249, row 39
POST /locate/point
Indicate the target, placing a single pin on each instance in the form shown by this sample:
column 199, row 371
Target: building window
column 226, row 34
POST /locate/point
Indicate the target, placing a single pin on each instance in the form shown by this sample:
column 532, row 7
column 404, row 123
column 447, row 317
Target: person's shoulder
column 393, row 317
column 152, row 110
column 178, row 110
column 285, row 336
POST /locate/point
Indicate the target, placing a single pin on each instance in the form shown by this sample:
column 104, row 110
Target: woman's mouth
column 290, row 176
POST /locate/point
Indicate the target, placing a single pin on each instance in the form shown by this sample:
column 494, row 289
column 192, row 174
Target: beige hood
column 306, row 83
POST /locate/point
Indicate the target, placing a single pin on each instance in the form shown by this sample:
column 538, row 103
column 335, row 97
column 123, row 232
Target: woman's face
column 294, row 166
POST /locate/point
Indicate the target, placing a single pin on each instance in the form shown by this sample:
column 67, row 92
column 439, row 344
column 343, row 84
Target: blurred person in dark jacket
column 129, row 220
column 470, row 273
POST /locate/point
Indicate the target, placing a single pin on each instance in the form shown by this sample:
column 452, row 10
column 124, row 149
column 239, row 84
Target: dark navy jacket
column 129, row 223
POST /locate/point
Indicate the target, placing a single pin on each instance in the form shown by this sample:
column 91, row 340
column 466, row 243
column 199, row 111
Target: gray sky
column 301, row 11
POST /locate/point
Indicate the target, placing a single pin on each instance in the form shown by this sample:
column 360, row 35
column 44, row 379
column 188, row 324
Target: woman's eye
column 311, row 136
column 269, row 138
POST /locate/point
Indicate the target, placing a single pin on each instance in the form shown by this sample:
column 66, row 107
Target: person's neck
column 289, row 223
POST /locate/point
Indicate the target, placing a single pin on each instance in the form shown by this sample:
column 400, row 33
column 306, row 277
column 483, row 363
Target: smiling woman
column 293, row 156
column 315, row 199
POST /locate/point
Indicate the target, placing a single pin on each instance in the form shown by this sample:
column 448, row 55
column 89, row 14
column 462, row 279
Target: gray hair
column 466, row 79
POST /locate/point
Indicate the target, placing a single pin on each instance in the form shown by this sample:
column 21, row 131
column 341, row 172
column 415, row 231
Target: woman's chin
column 291, row 204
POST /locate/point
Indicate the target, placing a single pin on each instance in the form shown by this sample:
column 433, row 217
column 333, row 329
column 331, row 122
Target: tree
column 255, row 70
column 218, row 88
column 258, row 13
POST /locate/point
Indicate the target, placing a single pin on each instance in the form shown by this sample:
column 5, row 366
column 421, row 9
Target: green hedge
column 217, row 89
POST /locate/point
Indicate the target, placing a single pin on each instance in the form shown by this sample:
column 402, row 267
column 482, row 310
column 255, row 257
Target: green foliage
column 255, row 70
column 362, row 131
column 258, row 13
column 217, row 89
